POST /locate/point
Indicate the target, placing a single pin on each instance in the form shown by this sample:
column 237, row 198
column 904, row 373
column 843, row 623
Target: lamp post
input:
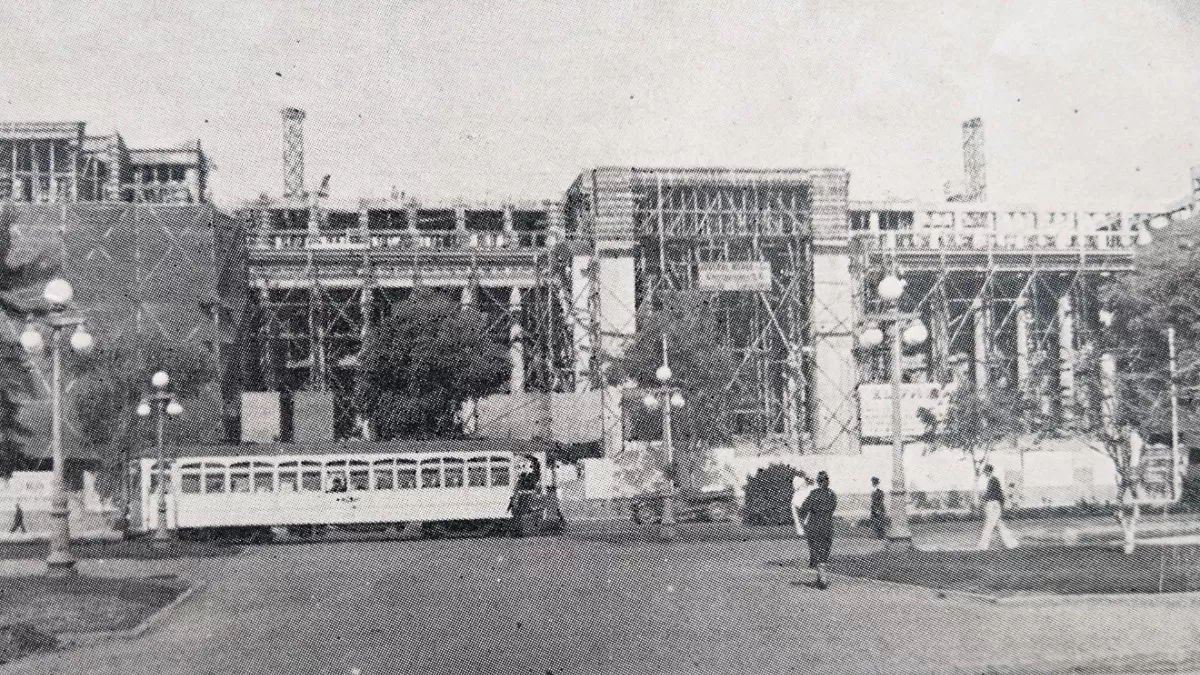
column 164, row 405
column 58, row 295
column 906, row 327
column 666, row 396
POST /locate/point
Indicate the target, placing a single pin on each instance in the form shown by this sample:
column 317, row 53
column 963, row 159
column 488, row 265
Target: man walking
column 817, row 512
column 993, row 509
column 18, row 520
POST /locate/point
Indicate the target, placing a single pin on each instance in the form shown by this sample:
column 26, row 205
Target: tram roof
column 357, row 447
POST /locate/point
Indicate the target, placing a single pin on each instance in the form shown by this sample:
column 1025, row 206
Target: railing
column 1015, row 242
column 405, row 240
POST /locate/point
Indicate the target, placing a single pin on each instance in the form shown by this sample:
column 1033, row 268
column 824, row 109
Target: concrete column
column 410, row 217
column 516, row 345
column 1022, row 327
column 982, row 332
column 267, row 362
column 508, row 219
column 460, row 218
column 467, row 297
column 1066, row 352
column 616, row 299
column 833, row 319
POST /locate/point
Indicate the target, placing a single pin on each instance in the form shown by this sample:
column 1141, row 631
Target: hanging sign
column 748, row 275
column 875, row 408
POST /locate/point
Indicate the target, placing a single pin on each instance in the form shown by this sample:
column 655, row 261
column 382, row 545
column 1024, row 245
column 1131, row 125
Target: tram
column 446, row 487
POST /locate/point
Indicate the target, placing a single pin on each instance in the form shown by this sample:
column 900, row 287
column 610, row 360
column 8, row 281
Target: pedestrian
column 18, row 520
column 993, row 509
column 878, row 509
column 817, row 512
column 801, row 486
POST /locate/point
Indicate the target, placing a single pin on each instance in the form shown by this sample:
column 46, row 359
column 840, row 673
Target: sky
column 1086, row 104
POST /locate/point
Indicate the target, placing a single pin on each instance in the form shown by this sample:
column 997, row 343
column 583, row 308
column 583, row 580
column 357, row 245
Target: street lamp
column 907, row 329
column 666, row 396
column 58, row 295
column 164, row 404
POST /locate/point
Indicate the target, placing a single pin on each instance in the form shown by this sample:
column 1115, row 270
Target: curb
column 88, row 638
column 1045, row 599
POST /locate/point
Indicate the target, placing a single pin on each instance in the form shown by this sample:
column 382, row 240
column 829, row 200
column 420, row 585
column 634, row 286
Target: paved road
column 567, row 605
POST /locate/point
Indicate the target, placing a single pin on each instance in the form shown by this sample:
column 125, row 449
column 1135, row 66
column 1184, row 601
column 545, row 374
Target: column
column 833, row 319
column 516, row 344
column 1066, row 354
column 366, row 306
column 983, row 322
column 1022, row 327
column 268, row 362
column 509, row 238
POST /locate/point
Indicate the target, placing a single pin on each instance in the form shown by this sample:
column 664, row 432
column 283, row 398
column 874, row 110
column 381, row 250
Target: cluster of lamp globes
column 159, row 381
column 890, row 290
column 652, row 400
column 58, row 294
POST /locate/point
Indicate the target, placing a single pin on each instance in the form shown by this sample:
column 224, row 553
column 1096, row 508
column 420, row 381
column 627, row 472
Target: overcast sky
column 1085, row 103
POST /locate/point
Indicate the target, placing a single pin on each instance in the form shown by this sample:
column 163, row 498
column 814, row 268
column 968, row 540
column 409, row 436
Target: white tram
column 471, row 484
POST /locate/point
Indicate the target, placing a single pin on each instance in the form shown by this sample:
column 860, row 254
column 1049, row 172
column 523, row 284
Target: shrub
column 769, row 496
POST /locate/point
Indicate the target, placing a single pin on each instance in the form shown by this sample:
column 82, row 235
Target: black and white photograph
column 550, row 337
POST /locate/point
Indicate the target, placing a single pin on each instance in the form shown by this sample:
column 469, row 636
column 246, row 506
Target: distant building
column 59, row 163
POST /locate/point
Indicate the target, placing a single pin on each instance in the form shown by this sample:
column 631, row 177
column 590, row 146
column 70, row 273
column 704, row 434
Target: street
column 573, row 605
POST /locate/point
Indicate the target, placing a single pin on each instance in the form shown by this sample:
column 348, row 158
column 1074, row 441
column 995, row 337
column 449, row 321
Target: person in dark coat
column 18, row 520
column 817, row 512
column 878, row 509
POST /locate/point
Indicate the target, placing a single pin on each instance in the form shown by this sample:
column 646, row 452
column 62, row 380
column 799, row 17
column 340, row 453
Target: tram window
column 239, row 482
column 311, row 481
column 335, row 481
column 431, row 475
column 154, row 483
column 406, row 476
column 384, row 479
column 264, row 482
column 500, row 474
column 189, row 483
column 214, row 483
column 477, row 472
column 360, row 480
column 288, row 482
column 454, row 473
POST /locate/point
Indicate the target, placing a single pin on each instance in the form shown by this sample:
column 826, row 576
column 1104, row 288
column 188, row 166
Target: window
column 154, row 483
column 214, row 483
column 310, row 477
column 335, row 480
column 239, row 477
column 264, row 482
column 360, row 478
column 288, row 478
column 431, row 473
column 454, row 472
column 385, row 474
column 500, row 472
column 189, row 483
column 406, row 474
column 477, row 472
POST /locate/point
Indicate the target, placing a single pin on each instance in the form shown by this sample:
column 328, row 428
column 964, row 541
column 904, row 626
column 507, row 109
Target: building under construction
column 787, row 259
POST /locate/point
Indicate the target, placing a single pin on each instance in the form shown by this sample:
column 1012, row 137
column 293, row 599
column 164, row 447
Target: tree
column 703, row 367
column 974, row 423
column 112, row 381
column 15, row 382
column 420, row 365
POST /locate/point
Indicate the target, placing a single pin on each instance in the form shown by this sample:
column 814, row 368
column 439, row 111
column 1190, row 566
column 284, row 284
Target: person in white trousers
column 993, row 509
column 801, row 486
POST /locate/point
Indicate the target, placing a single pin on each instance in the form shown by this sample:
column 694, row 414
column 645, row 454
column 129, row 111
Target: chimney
column 974, row 161
column 293, row 153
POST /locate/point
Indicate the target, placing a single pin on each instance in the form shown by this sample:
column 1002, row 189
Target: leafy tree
column 422, row 362
column 112, row 381
column 703, row 368
column 975, row 423
column 15, row 382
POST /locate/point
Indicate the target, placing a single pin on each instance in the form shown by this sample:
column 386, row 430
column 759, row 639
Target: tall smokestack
column 293, row 152
column 974, row 161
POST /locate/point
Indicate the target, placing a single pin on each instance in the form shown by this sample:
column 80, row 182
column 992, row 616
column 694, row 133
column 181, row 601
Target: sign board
column 1159, row 465
column 875, row 408
column 748, row 275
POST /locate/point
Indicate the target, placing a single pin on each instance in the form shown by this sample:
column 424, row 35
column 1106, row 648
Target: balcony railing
column 1009, row 242
column 403, row 240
